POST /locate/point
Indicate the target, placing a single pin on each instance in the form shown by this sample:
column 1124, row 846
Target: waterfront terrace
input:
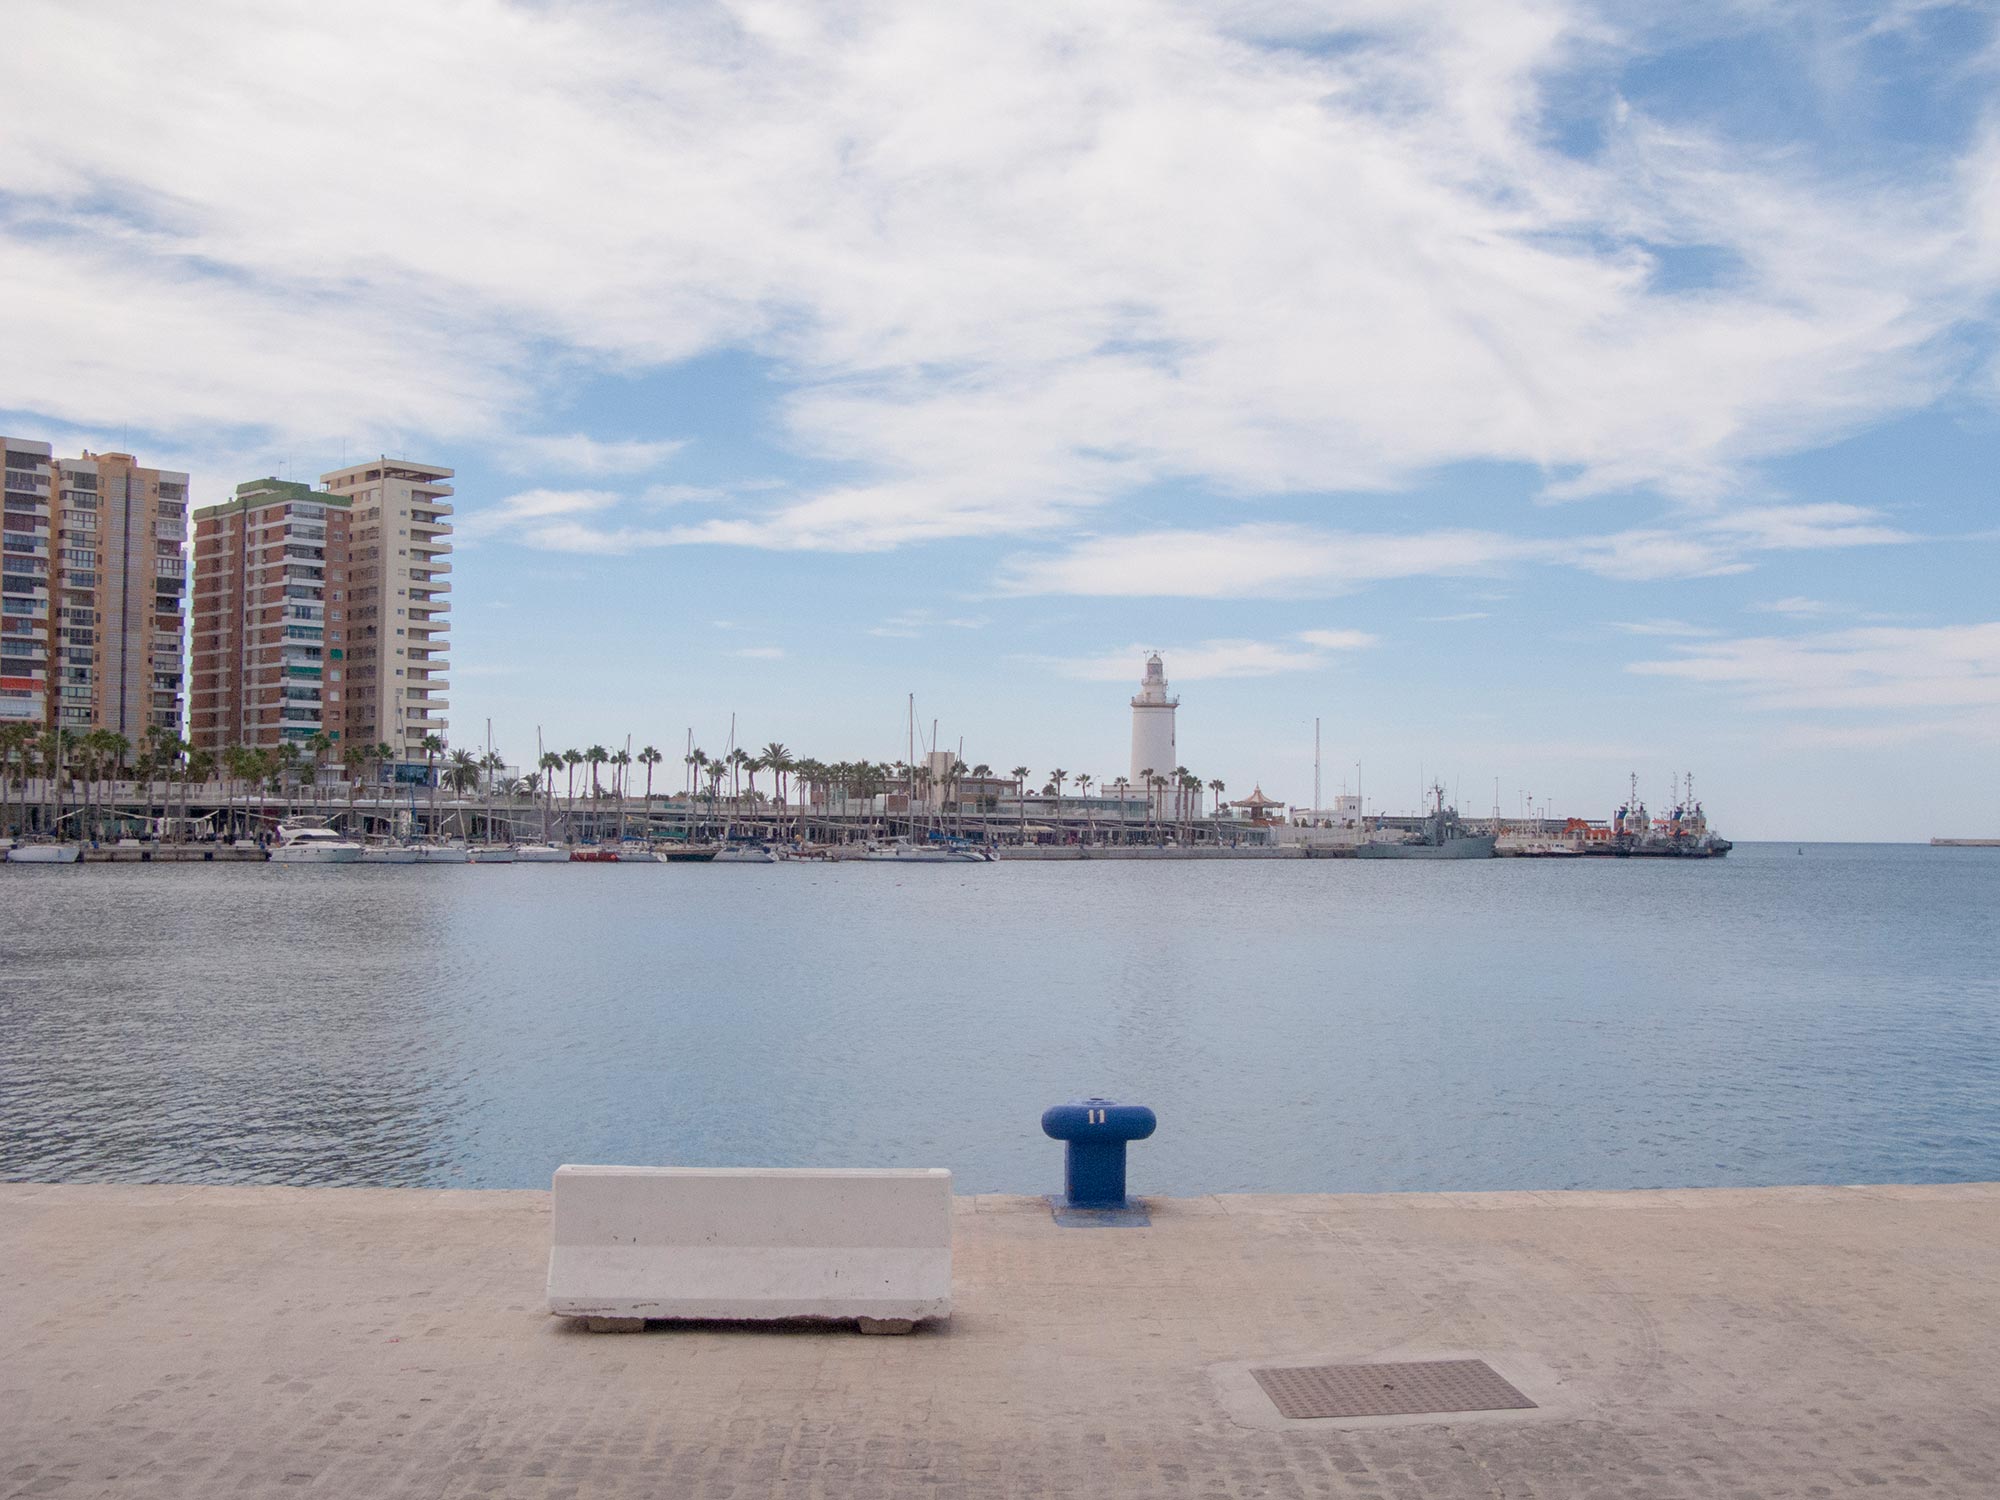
column 171, row 1341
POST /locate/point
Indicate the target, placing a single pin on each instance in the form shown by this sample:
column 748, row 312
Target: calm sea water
column 1776, row 1017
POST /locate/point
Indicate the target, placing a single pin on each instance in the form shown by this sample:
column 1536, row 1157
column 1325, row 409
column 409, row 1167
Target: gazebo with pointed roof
column 1257, row 805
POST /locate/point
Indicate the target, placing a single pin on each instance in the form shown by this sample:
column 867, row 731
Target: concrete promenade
column 252, row 1341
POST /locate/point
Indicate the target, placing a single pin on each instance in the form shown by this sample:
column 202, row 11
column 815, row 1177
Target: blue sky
column 1535, row 392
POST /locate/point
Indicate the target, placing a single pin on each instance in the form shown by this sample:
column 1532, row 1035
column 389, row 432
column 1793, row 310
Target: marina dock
column 1770, row 1342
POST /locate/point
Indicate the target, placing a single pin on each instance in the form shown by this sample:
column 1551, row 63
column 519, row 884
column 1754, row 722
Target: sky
column 1532, row 393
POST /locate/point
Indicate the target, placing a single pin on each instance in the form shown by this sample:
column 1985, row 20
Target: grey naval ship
column 1443, row 836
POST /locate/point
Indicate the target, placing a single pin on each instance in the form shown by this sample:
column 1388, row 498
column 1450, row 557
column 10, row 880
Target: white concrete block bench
column 632, row 1243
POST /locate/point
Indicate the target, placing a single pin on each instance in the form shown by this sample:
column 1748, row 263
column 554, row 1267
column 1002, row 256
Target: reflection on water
column 1316, row 1026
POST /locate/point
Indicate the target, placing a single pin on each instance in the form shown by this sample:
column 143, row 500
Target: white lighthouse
column 1153, row 726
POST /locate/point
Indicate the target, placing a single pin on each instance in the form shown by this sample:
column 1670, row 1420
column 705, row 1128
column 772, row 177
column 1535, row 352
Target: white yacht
column 44, row 854
column 540, row 854
column 442, row 854
column 744, row 854
column 492, row 854
column 903, row 852
column 307, row 844
column 636, row 854
column 383, row 853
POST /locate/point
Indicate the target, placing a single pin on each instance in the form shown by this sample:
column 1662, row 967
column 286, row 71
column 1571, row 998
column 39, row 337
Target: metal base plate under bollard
column 1068, row 1216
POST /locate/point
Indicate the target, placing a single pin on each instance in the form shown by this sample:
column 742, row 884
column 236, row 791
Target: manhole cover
column 1404, row 1390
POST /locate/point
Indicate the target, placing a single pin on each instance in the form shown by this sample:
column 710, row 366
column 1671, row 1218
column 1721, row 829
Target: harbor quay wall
column 173, row 1341
column 109, row 810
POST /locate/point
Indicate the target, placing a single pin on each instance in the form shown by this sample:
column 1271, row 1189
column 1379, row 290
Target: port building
column 91, row 592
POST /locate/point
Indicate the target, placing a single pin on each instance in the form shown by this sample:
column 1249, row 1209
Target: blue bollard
column 1096, row 1131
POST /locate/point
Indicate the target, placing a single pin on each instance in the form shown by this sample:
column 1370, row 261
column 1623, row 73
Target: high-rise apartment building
column 25, row 568
column 111, row 538
column 267, row 667
column 396, row 588
column 324, row 611
column 121, row 577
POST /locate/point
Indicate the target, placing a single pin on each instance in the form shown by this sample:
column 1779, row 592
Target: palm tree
column 1083, row 781
column 433, row 748
column 200, row 767
column 596, row 755
column 649, row 758
column 319, row 742
column 354, row 757
column 622, row 760
column 1218, row 788
column 550, row 763
column 778, row 759
column 1020, row 775
column 572, row 759
column 13, row 746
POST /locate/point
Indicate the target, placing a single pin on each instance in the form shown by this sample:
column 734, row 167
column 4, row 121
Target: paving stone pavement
column 178, row 1341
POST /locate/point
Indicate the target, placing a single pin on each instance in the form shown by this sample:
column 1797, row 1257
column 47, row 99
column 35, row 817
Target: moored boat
column 313, row 844
column 491, row 854
column 1443, row 836
column 44, row 854
column 539, row 854
column 745, row 854
column 934, row 852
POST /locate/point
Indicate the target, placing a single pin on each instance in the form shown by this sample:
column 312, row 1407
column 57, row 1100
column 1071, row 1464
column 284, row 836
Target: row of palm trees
column 83, row 762
column 86, row 760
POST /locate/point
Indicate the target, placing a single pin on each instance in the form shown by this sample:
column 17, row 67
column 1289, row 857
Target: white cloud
column 1278, row 560
column 1338, row 640
column 523, row 514
column 1010, row 263
column 588, row 456
column 911, row 624
column 1876, row 669
column 1306, row 651
column 1679, row 628
column 1237, row 561
column 760, row 653
column 1797, row 606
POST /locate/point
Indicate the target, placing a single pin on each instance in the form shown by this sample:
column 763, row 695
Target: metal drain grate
column 1404, row 1390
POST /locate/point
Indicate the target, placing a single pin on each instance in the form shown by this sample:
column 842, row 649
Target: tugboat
column 1682, row 834
column 1443, row 837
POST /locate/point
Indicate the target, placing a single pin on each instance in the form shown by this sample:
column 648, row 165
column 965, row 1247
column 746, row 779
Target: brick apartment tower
column 397, row 589
column 267, row 649
column 112, row 539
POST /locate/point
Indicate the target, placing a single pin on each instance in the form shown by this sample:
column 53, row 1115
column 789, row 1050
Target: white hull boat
column 305, row 844
column 637, row 854
column 388, row 854
column 540, row 854
column 901, row 853
column 442, row 854
column 492, row 854
column 744, row 854
column 44, row 854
